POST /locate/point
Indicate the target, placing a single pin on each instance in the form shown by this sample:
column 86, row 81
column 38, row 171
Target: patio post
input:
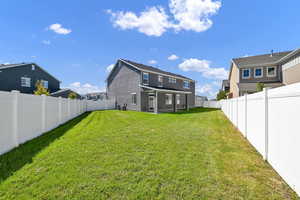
column 156, row 103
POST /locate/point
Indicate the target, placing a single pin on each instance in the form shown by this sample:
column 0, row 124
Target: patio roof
column 165, row 90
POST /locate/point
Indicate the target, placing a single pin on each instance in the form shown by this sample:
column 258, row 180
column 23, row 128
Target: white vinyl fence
column 270, row 121
column 24, row 117
column 207, row 104
column 101, row 105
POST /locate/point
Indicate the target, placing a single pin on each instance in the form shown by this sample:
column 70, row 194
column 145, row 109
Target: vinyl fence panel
column 270, row 121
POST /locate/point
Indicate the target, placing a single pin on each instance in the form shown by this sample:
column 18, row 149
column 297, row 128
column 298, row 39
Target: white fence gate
column 270, row 121
column 24, row 117
column 207, row 104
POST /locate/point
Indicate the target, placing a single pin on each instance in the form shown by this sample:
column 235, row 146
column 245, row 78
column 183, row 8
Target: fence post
column 15, row 96
column 246, row 114
column 237, row 112
column 59, row 110
column 266, row 124
column 69, row 109
column 44, row 113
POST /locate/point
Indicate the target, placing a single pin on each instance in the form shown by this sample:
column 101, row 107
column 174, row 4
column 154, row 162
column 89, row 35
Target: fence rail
column 24, row 117
column 270, row 121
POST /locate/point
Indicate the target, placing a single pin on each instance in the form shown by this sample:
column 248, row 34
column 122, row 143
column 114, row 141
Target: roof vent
column 272, row 53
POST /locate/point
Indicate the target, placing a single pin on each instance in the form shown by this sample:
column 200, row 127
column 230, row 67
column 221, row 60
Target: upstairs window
column 246, row 73
column 172, row 80
column 25, row 82
column 160, row 81
column 186, row 84
column 169, row 99
column 271, row 71
column 133, row 98
column 145, row 78
column 44, row 83
column 258, row 73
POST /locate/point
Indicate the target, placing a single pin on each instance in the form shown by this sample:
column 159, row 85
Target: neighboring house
column 96, row 96
column 149, row 89
column 23, row 77
column 274, row 70
column 64, row 93
column 225, row 86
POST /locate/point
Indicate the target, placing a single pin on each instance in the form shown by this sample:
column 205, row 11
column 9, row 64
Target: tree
column 260, row 87
column 40, row 89
column 221, row 95
column 72, row 95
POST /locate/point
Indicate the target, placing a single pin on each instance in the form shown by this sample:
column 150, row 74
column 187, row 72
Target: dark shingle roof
column 153, row 69
column 7, row 66
column 260, row 59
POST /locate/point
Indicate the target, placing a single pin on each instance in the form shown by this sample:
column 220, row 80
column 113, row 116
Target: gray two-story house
column 23, row 77
column 149, row 89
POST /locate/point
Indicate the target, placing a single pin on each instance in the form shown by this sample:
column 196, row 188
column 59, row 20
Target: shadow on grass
column 195, row 110
column 22, row 155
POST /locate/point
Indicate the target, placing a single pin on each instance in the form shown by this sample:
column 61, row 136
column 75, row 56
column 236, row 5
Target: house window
column 133, row 98
column 177, row 99
column 169, row 99
column 172, row 80
column 145, row 78
column 160, row 81
column 271, row 71
column 186, row 84
column 44, row 83
column 25, row 82
column 246, row 73
column 258, row 73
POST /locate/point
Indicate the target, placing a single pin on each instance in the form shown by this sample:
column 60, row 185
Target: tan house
column 274, row 70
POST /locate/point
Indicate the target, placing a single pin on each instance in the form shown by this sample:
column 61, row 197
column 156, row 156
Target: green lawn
column 132, row 155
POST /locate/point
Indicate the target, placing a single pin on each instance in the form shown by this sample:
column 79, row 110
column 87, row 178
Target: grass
column 131, row 155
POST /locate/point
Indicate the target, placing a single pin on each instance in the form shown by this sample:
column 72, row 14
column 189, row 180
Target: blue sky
column 77, row 40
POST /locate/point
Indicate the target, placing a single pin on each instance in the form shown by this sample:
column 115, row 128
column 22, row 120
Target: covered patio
column 158, row 100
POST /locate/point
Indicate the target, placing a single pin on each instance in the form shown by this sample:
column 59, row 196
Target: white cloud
column 46, row 42
column 152, row 22
column 173, row 57
column 85, row 88
column 152, row 62
column 57, row 28
column 194, row 15
column 206, row 90
column 203, row 66
column 109, row 68
column 190, row 15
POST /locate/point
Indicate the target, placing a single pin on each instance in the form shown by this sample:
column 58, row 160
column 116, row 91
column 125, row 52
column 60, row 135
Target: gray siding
column 124, row 81
column 10, row 79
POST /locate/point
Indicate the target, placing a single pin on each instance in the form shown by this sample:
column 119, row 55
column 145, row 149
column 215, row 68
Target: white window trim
column 27, row 84
column 132, row 99
column 262, row 72
column 246, row 77
column 146, row 80
column 171, row 99
column 275, row 71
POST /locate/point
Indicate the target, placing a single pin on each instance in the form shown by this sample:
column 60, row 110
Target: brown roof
column 260, row 59
column 153, row 69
